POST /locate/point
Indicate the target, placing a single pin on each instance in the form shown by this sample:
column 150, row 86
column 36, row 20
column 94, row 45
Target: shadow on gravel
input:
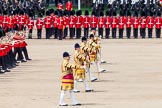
column 92, row 104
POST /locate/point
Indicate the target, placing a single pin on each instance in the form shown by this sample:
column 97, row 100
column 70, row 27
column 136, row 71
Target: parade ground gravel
column 133, row 78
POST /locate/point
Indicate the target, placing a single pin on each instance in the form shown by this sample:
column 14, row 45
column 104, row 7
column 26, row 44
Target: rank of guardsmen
column 85, row 53
column 134, row 18
column 13, row 50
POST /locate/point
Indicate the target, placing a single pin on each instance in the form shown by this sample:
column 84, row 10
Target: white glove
column 84, row 67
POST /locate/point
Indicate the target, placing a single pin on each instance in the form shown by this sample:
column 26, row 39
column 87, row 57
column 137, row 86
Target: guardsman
column 135, row 25
column 121, row 24
column 150, row 24
column 128, row 24
column 52, row 16
column 55, row 25
column 86, row 21
column 25, row 21
column 16, row 22
column 143, row 25
column 39, row 25
column 60, row 22
column 30, row 24
column 93, row 21
column 101, row 21
column 5, row 22
column 21, row 21
column 78, row 24
column 72, row 25
column 95, row 51
column 69, row 7
column 107, row 24
column 114, row 25
column 158, row 24
column 79, row 74
column 66, row 24
column 10, row 23
column 67, row 80
column 47, row 23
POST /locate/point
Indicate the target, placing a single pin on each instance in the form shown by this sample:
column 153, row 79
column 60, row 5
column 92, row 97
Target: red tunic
column 93, row 21
column 114, row 22
column 69, row 6
column 48, row 22
column 86, row 21
column 66, row 21
column 5, row 22
column 10, row 22
column 107, row 22
column 1, row 20
column 55, row 22
column 79, row 21
column 128, row 22
column 135, row 22
column 72, row 22
column 60, row 22
column 122, row 22
column 39, row 23
column 158, row 22
column 30, row 24
column 150, row 22
column 60, row 6
column 143, row 22
column 101, row 22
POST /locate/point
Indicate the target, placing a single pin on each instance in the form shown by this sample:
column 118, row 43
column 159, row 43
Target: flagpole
column 79, row 5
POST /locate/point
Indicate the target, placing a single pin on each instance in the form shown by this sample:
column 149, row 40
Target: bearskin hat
column 86, row 12
column 101, row 14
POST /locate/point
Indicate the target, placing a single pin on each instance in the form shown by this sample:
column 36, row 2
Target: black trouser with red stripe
column 72, row 32
column 107, row 32
column 78, row 33
column 113, row 33
column 149, row 32
column 24, row 50
column 143, row 32
column 39, row 33
column 47, row 33
column 55, row 32
column 86, row 31
column 65, row 32
column 158, row 32
column 100, row 32
column 3, row 62
column 60, row 34
column 128, row 32
column 135, row 32
column 121, row 33
column 30, row 34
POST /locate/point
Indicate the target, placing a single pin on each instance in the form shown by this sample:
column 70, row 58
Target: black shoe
column 7, row 70
column 10, row 67
column 23, row 61
column 76, row 91
column 78, row 104
column 88, row 90
column 29, row 37
column 103, row 62
column 29, row 59
column 2, row 71
column 64, row 105
column 94, row 80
